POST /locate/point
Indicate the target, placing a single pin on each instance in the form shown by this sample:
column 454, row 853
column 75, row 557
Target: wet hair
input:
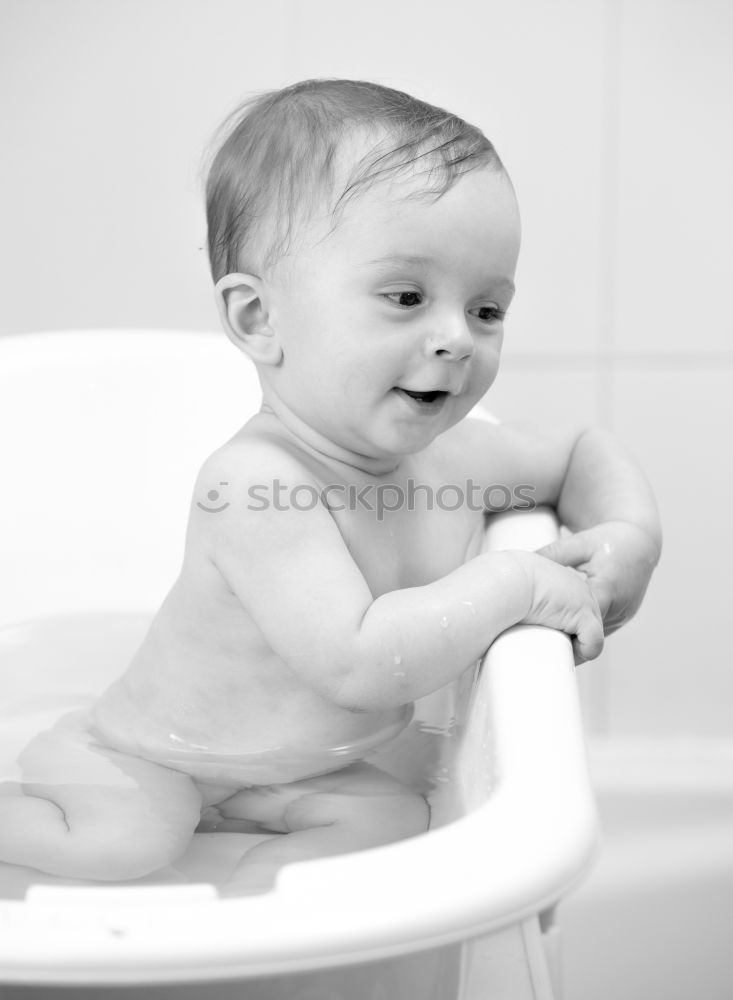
column 278, row 156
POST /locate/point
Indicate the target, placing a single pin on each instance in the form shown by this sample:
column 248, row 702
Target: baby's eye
column 491, row 314
column 402, row 295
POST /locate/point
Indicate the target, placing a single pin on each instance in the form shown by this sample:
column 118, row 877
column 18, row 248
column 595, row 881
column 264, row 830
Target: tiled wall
column 613, row 119
column 660, row 372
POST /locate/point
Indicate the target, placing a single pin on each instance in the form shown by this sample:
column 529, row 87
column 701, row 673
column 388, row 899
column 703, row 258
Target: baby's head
column 305, row 152
column 330, row 204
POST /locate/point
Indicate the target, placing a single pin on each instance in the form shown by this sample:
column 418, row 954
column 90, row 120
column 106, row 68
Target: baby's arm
column 606, row 500
column 603, row 483
column 432, row 633
column 293, row 573
column 599, row 493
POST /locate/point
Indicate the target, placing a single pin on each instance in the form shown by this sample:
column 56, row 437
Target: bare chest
column 408, row 535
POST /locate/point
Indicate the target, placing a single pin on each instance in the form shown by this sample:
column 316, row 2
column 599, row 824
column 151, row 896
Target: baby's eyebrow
column 419, row 260
column 398, row 259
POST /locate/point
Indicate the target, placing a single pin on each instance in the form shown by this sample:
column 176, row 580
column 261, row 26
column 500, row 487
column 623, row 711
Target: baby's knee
column 131, row 836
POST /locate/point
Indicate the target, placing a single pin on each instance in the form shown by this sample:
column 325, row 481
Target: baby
column 363, row 245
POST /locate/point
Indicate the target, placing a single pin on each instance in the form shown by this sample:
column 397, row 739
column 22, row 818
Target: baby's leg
column 351, row 810
column 86, row 812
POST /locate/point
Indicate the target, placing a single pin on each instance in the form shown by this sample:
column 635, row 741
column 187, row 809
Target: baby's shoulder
column 251, row 458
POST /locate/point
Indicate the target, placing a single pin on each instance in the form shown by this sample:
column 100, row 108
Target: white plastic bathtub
column 102, row 434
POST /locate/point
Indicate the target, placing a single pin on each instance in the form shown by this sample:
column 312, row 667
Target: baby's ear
column 243, row 312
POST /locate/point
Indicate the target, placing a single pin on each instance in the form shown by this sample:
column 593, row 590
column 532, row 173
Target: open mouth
column 425, row 397
column 430, row 399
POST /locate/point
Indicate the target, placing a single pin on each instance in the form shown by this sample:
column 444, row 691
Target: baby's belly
column 278, row 761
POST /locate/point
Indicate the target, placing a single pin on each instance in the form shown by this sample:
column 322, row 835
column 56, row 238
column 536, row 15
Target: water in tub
column 52, row 667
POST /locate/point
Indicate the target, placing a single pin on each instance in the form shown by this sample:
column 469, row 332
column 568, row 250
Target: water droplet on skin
column 398, row 660
column 469, row 605
column 444, row 623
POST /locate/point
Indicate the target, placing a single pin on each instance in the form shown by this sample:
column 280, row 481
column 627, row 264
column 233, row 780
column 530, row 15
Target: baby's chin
column 379, row 447
column 401, row 445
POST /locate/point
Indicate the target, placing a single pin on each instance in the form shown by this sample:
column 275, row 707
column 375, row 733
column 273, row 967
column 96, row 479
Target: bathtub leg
column 540, row 969
column 550, row 929
column 510, row 963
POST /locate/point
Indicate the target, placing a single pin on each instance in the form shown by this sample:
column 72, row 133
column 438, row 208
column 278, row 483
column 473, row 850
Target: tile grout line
column 621, row 360
column 608, row 279
column 608, row 283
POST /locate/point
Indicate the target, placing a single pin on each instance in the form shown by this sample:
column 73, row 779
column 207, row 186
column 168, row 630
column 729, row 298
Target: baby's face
column 391, row 327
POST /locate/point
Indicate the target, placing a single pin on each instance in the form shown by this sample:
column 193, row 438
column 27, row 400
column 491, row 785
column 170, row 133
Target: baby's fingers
column 588, row 641
column 574, row 550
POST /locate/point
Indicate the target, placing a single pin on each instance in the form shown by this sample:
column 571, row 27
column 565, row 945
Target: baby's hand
column 617, row 558
column 561, row 599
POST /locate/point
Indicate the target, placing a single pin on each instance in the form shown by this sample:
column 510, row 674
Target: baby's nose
column 452, row 343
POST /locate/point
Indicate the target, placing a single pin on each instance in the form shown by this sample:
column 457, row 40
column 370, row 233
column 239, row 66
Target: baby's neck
column 324, row 449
